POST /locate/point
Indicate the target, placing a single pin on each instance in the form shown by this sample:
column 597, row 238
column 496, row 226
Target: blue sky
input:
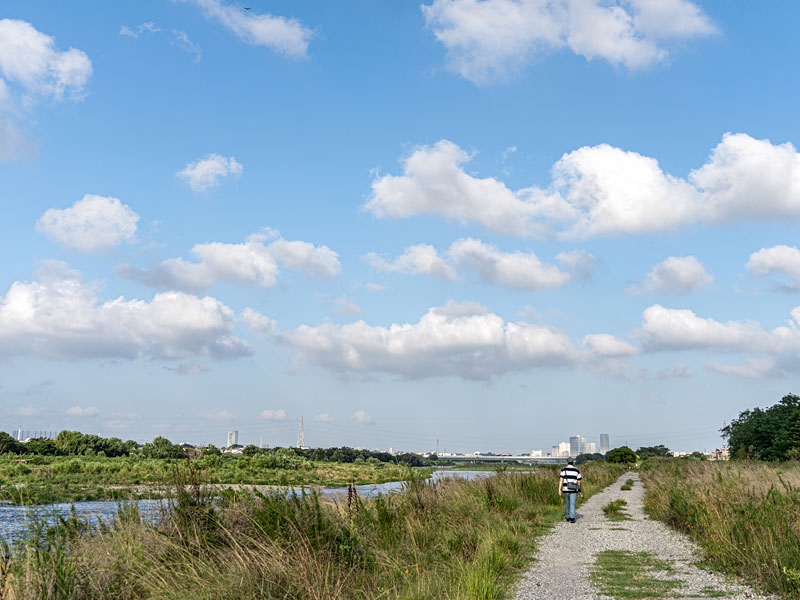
column 495, row 223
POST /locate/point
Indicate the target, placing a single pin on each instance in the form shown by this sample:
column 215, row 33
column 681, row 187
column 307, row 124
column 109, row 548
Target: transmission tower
column 301, row 436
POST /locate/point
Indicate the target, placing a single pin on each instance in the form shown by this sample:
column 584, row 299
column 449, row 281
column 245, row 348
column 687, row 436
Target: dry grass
column 745, row 515
column 456, row 539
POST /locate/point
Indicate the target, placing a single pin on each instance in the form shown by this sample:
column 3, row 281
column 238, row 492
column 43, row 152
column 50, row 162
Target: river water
column 16, row 521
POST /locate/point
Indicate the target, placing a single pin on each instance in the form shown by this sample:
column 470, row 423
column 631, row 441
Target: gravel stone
column 565, row 555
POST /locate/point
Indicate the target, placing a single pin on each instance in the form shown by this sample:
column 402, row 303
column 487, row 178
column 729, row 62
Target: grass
column 627, row 486
column 615, row 511
column 628, row 575
column 710, row 592
column 454, row 539
column 744, row 515
column 46, row 479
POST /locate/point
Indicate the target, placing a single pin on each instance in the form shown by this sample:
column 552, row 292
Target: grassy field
column 44, row 479
column 453, row 540
column 744, row 515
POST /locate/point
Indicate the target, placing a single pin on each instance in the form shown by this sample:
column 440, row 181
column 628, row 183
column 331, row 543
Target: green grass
column 615, row 511
column 456, row 539
column 710, row 592
column 627, row 486
column 742, row 514
column 618, row 529
column 629, row 575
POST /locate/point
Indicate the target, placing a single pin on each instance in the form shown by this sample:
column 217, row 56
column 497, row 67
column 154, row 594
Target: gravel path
column 561, row 571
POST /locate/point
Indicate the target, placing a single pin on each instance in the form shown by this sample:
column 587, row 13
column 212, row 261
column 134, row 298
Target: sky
column 483, row 224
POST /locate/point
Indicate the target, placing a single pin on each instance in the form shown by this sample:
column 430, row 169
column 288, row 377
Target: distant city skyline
column 403, row 221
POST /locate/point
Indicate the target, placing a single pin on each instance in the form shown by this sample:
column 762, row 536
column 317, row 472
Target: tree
column 161, row 447
column 648, row 451
column 623, row 454
column 8, row 445
column 766, row 434
column 584, row 458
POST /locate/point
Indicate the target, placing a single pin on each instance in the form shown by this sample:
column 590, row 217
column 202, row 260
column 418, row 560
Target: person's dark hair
column 570, row 461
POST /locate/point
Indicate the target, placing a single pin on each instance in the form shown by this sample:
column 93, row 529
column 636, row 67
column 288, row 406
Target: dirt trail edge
column 567, row 554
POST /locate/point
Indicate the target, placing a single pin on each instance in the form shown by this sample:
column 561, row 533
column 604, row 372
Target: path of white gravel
column 561, row 571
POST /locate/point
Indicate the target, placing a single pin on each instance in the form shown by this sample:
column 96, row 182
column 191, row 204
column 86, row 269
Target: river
column 16, row 521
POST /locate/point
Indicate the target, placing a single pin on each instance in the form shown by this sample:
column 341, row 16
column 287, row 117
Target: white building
column 604, row 443
column 233, row 438
column 536, row 453
column 591, row 448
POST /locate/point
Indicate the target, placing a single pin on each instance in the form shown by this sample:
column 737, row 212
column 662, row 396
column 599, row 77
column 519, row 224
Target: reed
column 455, row 539
column 744, row 515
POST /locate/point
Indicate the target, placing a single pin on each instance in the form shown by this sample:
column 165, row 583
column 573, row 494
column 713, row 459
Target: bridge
column 526, row 459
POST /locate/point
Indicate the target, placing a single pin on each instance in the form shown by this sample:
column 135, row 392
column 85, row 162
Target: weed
column 630, row 575
column 615, row 511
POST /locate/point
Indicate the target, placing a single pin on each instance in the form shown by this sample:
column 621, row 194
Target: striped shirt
column 569, row 473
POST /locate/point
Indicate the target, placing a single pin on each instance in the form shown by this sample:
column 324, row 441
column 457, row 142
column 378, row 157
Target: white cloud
column 778, row 259
column 677, row 370
column 460, row 339
column 516, row 270
column 253, row 262
column 489, row 40
column 681, row 329
column 375, row 287
column 599, row 190
column 209, row 172
column 258, row 321
column 77, row 411
column 30, row 59
column 60, row 317
column 95, row 223
column 274, row 415
column 678, row 275
column 754, row 368
column 148, row 26
column 223, row 415
column 287, row 36
column 519, row 270
column 363, row 417
column 420, row 258
column 607, row 346
column 323, row 418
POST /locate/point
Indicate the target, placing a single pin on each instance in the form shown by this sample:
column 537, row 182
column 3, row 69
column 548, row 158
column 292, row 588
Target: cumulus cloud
column 363, row 417
column 60, row 317
column 323, row 418
column 459, row 339
column 284, row 35
column 677, row 275
column 489, row 40
column 95, row 223
column 782, row 260
column 29, row 58
column 606, row 345
column 254, row 262
column 420, row 258
column 681, row 329
column 209, row 172
column 258, row 321
column 77, row 411
column 274, row 415
column 598, row 190
column 516, row 270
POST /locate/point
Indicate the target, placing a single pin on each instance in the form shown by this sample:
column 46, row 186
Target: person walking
column 569, row 485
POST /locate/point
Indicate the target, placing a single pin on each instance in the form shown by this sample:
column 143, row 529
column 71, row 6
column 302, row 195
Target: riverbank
column 49, row 479
column 454, row 539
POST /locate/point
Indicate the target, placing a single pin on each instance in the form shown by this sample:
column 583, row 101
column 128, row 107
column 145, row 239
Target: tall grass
column 455, row 539
column 744, row 515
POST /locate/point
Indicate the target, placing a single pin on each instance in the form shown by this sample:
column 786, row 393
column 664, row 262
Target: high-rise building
column 603, row 443
column 555, row 451
column 583, row 445
column 563, row 449
column 575, row 445
column 591, row 448
column 233, row 438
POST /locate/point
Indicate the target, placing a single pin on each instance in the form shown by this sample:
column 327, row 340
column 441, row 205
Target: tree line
column 770, row 434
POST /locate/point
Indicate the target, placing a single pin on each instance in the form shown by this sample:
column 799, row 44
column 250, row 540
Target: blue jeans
column 569, row 504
